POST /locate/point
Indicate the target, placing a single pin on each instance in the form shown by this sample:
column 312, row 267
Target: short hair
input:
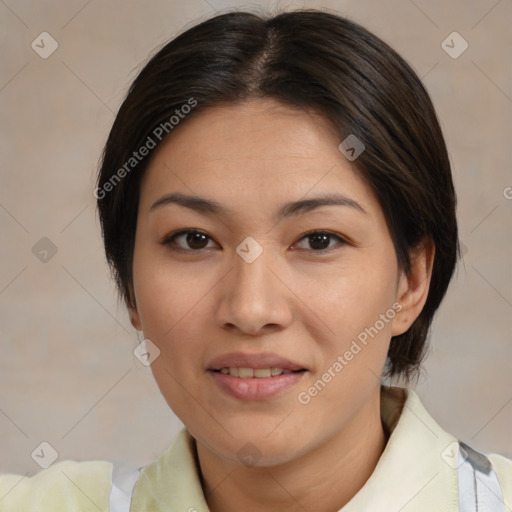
column 317, row 61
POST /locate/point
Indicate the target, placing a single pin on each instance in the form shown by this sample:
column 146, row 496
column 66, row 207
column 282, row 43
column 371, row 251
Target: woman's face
column 254, row 288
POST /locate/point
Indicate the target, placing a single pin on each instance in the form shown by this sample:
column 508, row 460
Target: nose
column 254, row 298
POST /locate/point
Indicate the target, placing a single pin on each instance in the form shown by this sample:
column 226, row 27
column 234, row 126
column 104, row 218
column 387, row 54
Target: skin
column 295, row 300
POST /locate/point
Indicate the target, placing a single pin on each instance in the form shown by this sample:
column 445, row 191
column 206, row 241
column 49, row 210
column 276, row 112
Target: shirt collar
column 414, row 473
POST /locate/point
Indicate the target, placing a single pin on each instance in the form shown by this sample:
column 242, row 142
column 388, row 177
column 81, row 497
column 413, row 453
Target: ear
column 412, row 289
column 131, row 304
column 135, row 318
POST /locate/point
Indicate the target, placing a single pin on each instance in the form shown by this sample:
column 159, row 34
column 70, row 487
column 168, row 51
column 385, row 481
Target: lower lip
column 255, row 388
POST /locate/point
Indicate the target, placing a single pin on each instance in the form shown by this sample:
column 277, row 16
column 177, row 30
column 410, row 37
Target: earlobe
column 135, row 318
column 412, row 289
column 131, row 305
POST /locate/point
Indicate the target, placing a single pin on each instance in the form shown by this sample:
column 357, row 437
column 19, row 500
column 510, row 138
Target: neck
column 324, row 480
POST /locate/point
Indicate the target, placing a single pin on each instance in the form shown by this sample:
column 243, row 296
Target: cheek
column 169, row 307
column 174, row 320
column 352, row 297
column 357, row 306
column 353, row 305
column 167, row 293
column 173, row 317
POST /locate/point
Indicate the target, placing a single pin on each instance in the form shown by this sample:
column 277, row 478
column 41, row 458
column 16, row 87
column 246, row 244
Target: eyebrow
column 210, row 207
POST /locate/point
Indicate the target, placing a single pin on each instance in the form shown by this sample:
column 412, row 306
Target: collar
column 414, row 473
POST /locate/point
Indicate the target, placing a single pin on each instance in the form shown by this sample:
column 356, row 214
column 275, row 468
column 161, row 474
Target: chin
column 253, row 448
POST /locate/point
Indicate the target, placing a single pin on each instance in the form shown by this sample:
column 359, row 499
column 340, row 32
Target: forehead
column 253, row 148
column 261, row 127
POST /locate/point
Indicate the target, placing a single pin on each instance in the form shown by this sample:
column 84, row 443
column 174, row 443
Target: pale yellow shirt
column 417, row 472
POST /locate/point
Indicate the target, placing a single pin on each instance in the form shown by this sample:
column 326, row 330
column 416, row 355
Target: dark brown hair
column 307, row 59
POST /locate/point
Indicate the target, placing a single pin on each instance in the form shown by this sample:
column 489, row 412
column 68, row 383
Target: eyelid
column 341, row 240
column 168, row 239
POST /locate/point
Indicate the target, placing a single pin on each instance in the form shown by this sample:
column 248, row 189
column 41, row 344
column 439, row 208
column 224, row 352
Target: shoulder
column 65, row 486
column 503, row 468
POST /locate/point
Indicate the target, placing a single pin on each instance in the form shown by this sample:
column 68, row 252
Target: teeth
column 245, row 373
column 249, row 373
column 262, row 373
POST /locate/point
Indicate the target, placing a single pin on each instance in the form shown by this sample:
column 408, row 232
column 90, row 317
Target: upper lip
column 248, row 360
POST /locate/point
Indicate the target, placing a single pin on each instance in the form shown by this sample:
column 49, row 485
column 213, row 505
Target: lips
column 261, row 376
column 254, row 361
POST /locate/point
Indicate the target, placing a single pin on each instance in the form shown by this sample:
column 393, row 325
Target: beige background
column 67, row 372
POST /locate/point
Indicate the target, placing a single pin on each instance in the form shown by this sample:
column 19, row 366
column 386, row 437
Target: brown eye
column 190, row 240
column 196, row 240
column 320, row 240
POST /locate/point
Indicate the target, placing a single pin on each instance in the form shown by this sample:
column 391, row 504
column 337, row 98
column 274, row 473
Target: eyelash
column 169, row 240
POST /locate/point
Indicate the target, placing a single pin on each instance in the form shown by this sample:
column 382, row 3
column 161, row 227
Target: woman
column 278, row 210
